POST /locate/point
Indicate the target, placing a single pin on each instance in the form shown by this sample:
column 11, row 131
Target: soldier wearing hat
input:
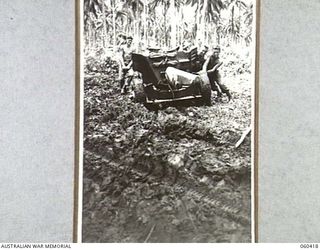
column 211, row 66
column 125, row 62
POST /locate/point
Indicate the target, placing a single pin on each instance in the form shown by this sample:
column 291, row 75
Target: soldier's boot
column 227, row 92
column 223, row 90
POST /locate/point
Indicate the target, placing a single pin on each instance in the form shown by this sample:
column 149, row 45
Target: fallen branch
column 149, row 234
column 244, row 135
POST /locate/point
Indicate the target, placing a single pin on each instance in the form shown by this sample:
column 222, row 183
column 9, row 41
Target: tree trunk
column 232, row 20
column 198, row 17
column 145, row 28
column 127, row 27
column 114, row 26
column 104, row 23
column 165, row 25
column 217, row 35
column 137, row 28
column 181, row 26
column 203, row 24
column 218, row 30
column 173, row 23
column 239, row 18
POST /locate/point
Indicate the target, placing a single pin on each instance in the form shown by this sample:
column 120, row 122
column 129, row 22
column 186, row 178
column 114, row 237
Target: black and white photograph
column 167, row 121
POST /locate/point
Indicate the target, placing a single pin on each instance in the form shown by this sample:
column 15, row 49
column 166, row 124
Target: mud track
column 167, row 176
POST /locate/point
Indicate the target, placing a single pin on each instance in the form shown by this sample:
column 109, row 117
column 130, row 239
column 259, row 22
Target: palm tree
column 173, row 23
column 134, row 8
column 233, row 18
column 248, row 19
column 206, row 10
column 165, row 5
column 234, row 26
column 113, row 9
column 91, row 10
column 117, row 17
column 181, row 24
column 91, row 7
column 171, row 19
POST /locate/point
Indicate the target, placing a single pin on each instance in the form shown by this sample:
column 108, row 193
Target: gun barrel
column 177, row 76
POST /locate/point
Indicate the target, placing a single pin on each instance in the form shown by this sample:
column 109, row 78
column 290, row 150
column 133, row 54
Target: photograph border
column 77, row 206
column 256, row 126
column 77, row 136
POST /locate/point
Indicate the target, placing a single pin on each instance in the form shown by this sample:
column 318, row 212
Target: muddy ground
column 167, row 176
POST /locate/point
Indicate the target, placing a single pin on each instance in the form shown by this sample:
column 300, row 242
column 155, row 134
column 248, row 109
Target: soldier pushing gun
column 211, row 66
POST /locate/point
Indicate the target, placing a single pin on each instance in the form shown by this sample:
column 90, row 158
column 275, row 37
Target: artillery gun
column 170, row 78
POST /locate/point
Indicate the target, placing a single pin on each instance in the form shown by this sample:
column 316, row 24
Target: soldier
column 211, row 66
column 119, row 56
column 126, row 64
column 201, row 58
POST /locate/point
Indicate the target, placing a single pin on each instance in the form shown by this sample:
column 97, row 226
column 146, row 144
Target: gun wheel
column 152, row 106
column 138, row 93
column 205, row 90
